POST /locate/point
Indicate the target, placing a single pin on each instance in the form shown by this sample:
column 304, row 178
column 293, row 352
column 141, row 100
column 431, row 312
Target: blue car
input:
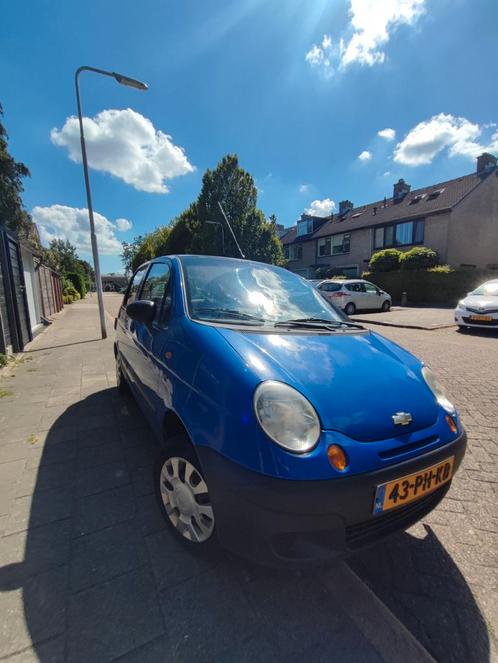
column 288, row 433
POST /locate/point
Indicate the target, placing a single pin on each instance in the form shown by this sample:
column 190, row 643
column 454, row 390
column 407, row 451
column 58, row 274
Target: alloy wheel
column 185, row 497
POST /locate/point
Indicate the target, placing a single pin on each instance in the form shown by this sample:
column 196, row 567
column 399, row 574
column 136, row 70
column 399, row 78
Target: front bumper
column 463, row 319
column 294, row 523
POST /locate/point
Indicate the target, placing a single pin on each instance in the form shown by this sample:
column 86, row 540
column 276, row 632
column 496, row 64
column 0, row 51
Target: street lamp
column 218, row 223
column 123, row 80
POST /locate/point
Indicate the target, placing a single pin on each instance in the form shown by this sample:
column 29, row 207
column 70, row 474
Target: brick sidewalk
column 90, row 573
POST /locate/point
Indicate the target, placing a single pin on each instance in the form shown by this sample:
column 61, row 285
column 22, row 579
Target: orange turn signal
column 451, row 424
column 337, row 457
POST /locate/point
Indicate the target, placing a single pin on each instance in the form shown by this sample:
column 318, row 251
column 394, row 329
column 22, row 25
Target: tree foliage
column 12, row 213
column 201, row 228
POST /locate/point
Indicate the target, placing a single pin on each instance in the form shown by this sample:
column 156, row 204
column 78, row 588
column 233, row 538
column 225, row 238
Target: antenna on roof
column 230, row 228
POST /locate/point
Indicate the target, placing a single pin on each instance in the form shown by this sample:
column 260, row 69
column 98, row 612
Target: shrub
column 67, row 299
column 78, row 281
column 386, row 260
column 441, row 269
column 420, row 257
column 3, row 360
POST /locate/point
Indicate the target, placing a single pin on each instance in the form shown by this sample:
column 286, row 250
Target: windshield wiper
column 317, row 322
column 233, row 313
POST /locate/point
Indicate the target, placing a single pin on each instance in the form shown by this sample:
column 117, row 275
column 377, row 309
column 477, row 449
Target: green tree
column 193, row 231
column 62, row 256
column 12, row 213
column 235, row 189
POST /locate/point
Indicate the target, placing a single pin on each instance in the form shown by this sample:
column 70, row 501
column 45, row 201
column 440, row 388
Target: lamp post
column 218, row 223
column 123, row 80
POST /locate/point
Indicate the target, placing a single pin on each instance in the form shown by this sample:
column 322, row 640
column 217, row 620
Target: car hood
column 356, row 381
column 485, row 302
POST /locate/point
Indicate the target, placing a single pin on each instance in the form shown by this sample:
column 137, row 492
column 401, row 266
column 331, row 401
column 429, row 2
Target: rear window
column 331, row 287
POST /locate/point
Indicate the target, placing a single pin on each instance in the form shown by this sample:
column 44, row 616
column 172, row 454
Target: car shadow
column 422, row 586
column 103, row 577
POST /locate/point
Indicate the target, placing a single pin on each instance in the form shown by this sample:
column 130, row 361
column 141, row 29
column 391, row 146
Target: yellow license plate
column 404, row 490
column 482, row 318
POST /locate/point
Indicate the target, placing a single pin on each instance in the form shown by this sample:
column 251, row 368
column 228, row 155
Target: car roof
column 344, row 281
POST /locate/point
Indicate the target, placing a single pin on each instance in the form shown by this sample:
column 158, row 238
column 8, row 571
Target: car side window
column 354, row 287
column 135, row 285
column 370, row 288
column 156, row 288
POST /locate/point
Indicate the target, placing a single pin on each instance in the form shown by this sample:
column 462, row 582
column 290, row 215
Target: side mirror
column 142, row 311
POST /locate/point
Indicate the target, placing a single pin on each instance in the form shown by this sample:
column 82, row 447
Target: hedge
column 430, row 286
column 78, row 281
column 386, row 260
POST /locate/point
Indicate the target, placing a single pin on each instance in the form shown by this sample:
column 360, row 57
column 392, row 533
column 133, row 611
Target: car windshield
column 245, row 292
column 489, row 289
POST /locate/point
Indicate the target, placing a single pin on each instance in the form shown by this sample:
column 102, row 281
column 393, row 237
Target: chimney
column 401, row 188
column 485, row 163
column 345, row 206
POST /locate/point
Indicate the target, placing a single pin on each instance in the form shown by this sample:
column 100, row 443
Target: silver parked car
column 354, row 294
column 479, row 308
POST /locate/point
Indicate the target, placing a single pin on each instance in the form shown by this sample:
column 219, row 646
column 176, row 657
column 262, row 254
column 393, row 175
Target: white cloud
column 124, row 224
column 387, row 134
column 63, row 222
column 304, row 188
column 444, row 131
column 371, row 24
column 386, row 174
column 321, row 207
column 321, row 56
column 365, row 155
column 127, row 145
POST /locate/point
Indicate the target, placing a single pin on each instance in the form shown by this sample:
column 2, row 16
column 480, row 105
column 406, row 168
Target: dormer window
column 304, row 227
column 434, row 194
column 416, row 199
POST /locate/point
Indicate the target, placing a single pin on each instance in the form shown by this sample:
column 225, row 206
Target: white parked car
column 479, row 308
column 354, row 294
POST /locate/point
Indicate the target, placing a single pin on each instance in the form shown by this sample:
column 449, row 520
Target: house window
column 304, row 227
column 335, row 245
column 399, row 234
column 293, row 251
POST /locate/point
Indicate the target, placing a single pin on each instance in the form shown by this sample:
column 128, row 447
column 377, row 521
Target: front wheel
column 386, row 305
column 183, row 494
column 350, row 308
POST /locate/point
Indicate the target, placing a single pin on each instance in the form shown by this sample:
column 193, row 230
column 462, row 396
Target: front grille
column 406, row 448
column 487, row 323
column 480, row 311
column 377, row 527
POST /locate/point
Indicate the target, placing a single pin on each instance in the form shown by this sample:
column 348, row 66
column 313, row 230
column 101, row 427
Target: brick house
column 457, row 218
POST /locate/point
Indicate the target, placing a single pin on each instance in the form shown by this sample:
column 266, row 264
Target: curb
column 387, row 635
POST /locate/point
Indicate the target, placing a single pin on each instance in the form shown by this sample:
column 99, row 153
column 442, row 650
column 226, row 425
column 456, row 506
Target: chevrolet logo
column 402, row 418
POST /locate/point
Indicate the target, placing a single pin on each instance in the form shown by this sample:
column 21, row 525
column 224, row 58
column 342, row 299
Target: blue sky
column 299, row 90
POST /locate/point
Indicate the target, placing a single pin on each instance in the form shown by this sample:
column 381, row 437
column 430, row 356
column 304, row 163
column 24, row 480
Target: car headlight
column 437, row 389
column 461, row 305
column 286, row 416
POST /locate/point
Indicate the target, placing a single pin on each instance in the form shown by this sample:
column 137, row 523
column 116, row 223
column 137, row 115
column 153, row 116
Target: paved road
column 90, row 572
column 441, row 578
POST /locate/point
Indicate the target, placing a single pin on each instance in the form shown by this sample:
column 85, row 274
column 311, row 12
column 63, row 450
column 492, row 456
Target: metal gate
column 14, row 293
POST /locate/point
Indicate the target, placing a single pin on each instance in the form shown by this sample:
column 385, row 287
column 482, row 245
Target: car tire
column 350, row 308
column 121, row 383
column 183, row 495
column 386, row 306
column 463, row 329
